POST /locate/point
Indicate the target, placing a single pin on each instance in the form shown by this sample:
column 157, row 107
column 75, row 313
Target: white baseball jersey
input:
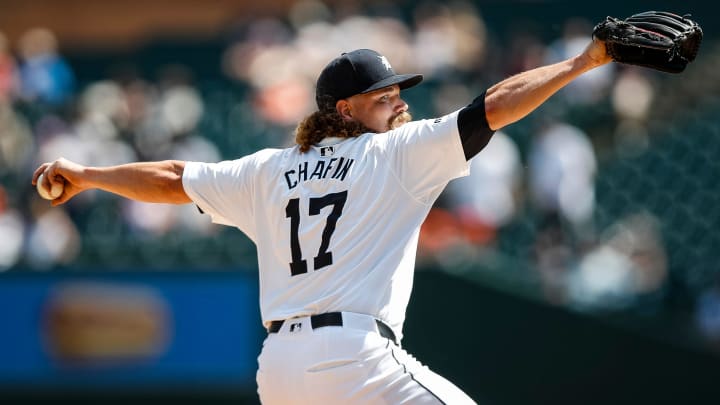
column 336, row 228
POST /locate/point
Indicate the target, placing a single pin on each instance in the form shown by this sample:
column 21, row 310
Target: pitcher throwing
column 336, row 220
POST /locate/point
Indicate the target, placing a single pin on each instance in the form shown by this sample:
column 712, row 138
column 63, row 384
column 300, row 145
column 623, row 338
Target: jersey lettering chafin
column 337, row 167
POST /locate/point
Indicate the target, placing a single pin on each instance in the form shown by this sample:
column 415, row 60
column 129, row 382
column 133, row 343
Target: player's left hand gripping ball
column 55, row 191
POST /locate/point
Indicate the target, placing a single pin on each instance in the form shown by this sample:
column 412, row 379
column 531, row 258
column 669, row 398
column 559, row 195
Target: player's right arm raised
column 515, row 97
column 156, row 182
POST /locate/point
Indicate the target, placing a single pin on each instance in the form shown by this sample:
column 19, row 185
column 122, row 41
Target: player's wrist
column 88, row 177
column 594, row 56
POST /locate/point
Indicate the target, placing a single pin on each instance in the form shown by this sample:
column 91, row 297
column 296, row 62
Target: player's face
column 380, row 110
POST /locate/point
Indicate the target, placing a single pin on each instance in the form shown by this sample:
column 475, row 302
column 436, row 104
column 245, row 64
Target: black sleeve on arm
column 475, row 132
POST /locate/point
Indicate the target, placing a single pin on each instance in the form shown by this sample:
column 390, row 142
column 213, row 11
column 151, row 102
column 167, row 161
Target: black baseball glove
column 654, row 39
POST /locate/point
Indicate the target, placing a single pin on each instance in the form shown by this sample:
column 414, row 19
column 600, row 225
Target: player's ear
column 343, row 108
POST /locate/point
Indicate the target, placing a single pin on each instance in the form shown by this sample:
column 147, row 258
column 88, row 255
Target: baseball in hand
column 55, row 192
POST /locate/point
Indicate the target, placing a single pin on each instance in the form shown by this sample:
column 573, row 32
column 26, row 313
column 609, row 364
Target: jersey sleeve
column 426, row 155
column 224, row 191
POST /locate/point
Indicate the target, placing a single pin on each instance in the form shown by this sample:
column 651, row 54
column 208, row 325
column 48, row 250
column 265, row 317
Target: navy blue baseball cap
column 357, row 72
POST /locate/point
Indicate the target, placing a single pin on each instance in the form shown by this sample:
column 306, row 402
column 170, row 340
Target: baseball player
column 336, row 220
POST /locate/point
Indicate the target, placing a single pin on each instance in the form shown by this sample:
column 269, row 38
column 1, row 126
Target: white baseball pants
column 348, row 364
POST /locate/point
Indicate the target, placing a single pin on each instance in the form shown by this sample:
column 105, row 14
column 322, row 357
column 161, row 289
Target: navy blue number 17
column 292, row 211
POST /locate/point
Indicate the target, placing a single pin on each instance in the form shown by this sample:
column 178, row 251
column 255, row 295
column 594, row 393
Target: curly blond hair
column 321, row 124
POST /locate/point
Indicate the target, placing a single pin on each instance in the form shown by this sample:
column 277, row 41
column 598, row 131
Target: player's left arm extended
column 156, row 182
column 515, row 97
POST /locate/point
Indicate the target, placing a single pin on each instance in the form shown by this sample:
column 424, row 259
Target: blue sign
column 111, row 330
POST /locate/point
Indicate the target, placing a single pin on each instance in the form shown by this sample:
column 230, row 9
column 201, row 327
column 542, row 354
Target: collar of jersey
column 330, row 140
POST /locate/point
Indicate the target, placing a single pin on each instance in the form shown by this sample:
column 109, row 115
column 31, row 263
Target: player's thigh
column 347, row 371
column 369, row 369
column 415, row 384
column 322, row 366
column 344, row 366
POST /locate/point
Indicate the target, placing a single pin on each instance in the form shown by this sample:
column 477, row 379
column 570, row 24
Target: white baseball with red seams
column 56, row 189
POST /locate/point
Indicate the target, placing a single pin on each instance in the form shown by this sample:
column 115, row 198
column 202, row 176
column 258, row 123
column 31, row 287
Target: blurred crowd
column 529, row 203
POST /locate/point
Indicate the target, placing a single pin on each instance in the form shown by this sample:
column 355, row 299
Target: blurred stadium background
column 577, row 264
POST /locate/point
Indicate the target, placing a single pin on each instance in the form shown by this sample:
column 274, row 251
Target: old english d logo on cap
column 357, row 72
column 385, row 62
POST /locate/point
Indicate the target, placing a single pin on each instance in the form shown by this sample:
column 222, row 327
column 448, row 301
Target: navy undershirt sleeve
column 475, row 132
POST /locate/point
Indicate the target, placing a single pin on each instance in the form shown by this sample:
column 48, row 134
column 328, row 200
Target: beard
column 399, row 120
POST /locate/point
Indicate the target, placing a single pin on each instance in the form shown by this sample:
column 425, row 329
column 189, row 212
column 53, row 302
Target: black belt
column 335, row 319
